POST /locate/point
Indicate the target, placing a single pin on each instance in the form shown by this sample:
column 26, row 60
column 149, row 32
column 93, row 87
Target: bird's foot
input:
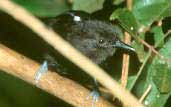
column 41, row 70
column 95, row 97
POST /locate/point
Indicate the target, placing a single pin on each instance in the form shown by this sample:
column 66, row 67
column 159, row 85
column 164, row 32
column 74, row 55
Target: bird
column 94, row 38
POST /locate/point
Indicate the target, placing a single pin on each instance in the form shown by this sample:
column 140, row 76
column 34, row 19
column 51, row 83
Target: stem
column 145, row 93
column 141, row 69
column 125, row 65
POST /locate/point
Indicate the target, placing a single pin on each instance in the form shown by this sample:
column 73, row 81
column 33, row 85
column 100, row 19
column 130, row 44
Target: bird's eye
column 101, row 41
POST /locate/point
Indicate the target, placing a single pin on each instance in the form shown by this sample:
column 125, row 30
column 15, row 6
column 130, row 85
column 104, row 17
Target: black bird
column 96, row 39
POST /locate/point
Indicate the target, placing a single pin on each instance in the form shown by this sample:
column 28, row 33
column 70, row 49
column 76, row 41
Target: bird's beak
column 122, row 45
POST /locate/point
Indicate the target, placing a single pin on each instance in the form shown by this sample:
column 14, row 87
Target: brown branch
column 159, row 23
column 125, row 65
column 145, row 29
column 129, row 4
column 68, row 51
column 151, row 48
column 25, row 69
column 145, row 93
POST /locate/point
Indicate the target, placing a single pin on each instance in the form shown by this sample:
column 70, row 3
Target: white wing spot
column 77, row 18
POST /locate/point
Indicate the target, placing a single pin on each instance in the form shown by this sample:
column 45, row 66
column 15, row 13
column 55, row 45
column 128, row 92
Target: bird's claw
column 41, row 70
column 95, row 96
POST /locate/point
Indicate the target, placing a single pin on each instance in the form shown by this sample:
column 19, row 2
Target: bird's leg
column 95, row 94
column 49, row 61
column 41, row 70
column 44, row 67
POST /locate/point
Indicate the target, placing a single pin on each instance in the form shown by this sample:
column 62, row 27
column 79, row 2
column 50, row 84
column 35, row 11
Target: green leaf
column 44, row 8
column 167, row 12
column 148, row 11
column 157, row 74
column 130, row 80
column 162, row 69
column 139, row 48
column 117, row 2
column 126, row 19
column 155, row 98
column 137, row 4
column 158, row 35
column 88, row 6
column 162, row 77
column 159, row 71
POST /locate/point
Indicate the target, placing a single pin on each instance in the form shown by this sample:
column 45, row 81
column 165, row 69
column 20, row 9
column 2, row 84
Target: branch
column 125, row 65
column 145, row 93
column 68, row 51
column 151, row 48
column 25, row 69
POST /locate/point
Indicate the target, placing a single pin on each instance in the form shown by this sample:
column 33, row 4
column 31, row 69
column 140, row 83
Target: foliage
column 143, row 21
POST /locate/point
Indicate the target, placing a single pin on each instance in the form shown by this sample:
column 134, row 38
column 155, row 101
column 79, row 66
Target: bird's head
column 96, row 39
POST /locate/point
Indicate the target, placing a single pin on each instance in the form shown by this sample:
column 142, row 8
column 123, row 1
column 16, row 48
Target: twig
column 159, row 23
column 141, row 69
column 125, row 65
column 68, row 51
column 143, row 29
column 129, row 4
column 25, row 69
column 151, row 48
column 145, row 93
column 146, row 44
column 165, row 35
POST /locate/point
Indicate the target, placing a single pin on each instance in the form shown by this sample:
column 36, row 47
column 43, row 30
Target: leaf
column 44, row 8
column 155, row 98
column 126, row 19
column 158, row 35
column 117, row 2
column 162, row 69
column 142, row 3
column 148, row 11
column 88, row 6
column 139, row 48
column 157, row 74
